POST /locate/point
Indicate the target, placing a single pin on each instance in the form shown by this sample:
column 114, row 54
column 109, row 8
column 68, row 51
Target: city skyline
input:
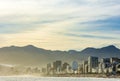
column 59, row 24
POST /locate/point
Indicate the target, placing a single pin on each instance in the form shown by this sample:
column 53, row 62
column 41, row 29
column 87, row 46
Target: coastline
column 64, row 75
column 84, row 75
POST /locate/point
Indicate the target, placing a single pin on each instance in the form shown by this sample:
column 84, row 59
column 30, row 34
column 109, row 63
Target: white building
column 92, row 64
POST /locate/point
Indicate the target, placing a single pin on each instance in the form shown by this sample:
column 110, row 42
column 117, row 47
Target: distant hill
column 34, row 56
column 109, row 51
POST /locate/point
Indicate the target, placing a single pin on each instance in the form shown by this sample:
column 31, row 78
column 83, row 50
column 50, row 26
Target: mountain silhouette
column 33, row 56
column 108, row 51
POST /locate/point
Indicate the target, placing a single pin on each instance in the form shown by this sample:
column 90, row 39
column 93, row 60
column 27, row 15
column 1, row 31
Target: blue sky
column 60, row 24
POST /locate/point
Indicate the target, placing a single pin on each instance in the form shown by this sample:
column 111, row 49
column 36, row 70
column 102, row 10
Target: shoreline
column 65, row 75
column 84, row 75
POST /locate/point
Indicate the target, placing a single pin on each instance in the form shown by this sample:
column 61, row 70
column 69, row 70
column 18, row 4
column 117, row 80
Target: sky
column 60, row 24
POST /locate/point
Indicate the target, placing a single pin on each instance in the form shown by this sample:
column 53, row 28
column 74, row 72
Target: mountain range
column 33, row 56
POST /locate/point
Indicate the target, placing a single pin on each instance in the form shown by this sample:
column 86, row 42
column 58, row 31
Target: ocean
column 56, row 79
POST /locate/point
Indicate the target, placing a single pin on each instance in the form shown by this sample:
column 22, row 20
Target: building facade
column 92, row 64
column 57, row 66
column 85, row 66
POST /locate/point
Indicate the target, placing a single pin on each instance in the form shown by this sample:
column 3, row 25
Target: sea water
column 56, row 79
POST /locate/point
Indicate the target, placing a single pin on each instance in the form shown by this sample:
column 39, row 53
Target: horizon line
column 59, row 49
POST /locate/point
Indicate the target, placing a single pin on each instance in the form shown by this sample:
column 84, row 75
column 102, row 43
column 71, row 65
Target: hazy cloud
column 41, row 19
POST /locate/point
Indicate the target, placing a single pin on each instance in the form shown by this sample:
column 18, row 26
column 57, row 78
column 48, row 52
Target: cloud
column 92, row 36
column 102, row 25
column 25, row 21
